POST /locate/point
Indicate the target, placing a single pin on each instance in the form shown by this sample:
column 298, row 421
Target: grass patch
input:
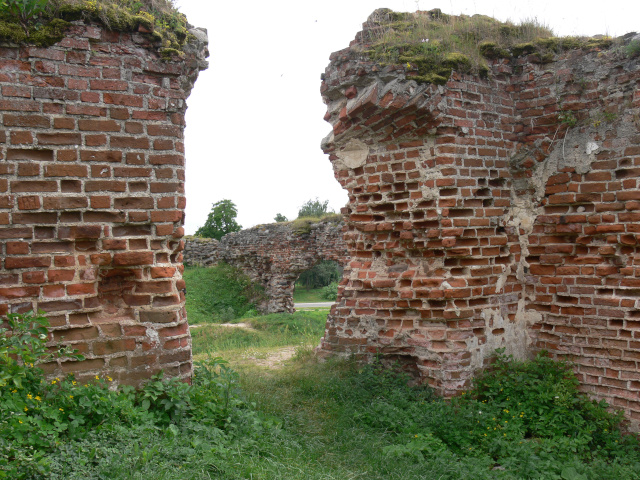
column 311, row 295
column 347, row 421
column 268, row 332
column 219, row 294
column 431, row 44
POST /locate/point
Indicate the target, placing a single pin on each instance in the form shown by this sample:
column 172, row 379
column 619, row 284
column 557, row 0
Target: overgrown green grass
column 344, row 421
column 431, row 44
column 312, row 295
column 219, row 294
column 268, row 331
column 310, row 420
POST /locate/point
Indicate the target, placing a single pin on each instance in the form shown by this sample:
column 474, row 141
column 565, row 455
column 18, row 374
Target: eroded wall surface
column 272, row 255
column 478, row 220
column 92, row 197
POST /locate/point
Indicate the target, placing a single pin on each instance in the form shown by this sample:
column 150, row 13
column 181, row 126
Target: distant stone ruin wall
column 92, row 197
column 478, row 220
column 272, row 255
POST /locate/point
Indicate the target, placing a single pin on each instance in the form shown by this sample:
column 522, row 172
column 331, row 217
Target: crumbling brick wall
column 272, row 255
column 478, row 220
column 92, row 197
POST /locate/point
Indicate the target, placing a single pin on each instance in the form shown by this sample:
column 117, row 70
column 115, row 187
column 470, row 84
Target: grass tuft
column 431, row 44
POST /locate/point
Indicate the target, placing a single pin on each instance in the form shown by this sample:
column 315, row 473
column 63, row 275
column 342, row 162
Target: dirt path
column 276, row 358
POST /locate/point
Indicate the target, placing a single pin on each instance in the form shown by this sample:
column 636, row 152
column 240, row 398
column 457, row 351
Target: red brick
column 98, row 125
column 59, row 138
column 27, row 262
column 133, row 258
column 65, row 171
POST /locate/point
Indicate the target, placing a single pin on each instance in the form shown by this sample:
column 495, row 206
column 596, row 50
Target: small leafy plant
column 568, row 118
column 25, row 11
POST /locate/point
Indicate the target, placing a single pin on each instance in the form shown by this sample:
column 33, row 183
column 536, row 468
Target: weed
column 632, row 50
column 568, row 118
column 25, row 11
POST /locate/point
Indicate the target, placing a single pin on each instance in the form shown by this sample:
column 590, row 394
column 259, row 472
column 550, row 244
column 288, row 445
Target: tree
column 314, row 208
column 221, row 220
column 280, row 218
column 321, row 275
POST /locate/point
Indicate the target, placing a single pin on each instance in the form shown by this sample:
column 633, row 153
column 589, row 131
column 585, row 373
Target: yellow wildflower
column 38, row 398
column 29, row 396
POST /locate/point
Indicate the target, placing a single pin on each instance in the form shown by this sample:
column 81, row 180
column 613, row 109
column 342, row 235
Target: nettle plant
column 23, row 348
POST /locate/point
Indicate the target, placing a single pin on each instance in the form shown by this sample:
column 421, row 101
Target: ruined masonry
column 92, row 197
column 478, row 220
column 272, row 255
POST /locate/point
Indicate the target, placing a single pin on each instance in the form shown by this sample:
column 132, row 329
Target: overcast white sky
column 254, row 122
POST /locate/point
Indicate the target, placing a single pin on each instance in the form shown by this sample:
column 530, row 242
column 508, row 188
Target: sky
column 255, row 117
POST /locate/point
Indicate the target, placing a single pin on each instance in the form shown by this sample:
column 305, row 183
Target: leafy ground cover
column 302, row 420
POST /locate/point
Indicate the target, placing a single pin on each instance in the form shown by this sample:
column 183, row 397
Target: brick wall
column 478, row 220
column 92, row 197
column 272, row 255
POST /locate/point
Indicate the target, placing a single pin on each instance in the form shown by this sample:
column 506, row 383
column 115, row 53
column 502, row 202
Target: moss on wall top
column 43, row 23
column 431, row 44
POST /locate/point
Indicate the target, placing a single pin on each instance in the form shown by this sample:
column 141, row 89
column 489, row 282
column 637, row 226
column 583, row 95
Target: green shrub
column 633, row 49
column 219, row 294
column 330, row 292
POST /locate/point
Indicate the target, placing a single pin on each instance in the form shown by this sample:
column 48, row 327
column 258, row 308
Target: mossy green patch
column 159, row 20
column 41, row 35
column 430, row 45
column 302, row 225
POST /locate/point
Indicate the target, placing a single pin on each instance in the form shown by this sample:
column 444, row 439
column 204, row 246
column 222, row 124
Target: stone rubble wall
column 478, row 220
column 92, row 197
column 272, row 255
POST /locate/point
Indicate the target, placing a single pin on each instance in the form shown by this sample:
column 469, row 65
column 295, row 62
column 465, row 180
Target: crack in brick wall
column 92, row 197
column 477, row 220
column 272, row 255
